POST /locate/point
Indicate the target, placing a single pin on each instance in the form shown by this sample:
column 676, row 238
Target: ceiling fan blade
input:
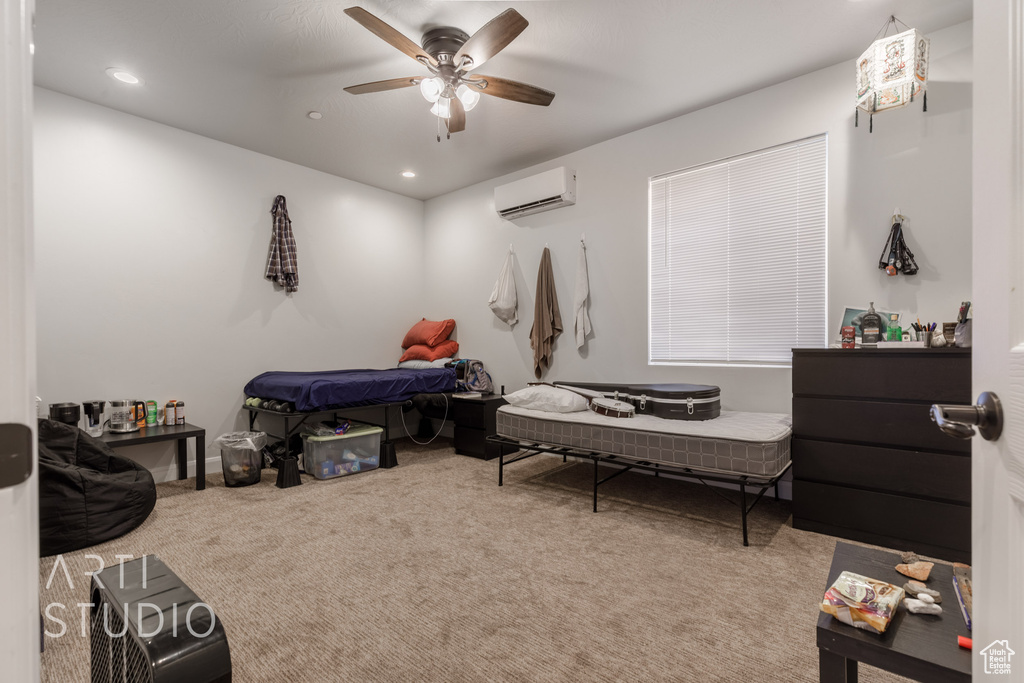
column 389, row 35
column 380, row 86
column 457, row 117
column 510, row 90
column 491, row 38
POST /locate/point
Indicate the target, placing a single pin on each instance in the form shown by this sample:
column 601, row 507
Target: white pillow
column 421, row 364
column 548, row 399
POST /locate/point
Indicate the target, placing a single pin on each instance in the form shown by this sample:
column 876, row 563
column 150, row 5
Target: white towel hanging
column 504, row 301
column 582, row 294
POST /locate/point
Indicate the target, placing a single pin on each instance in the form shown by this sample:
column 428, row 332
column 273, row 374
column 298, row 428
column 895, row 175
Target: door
column 19, row 508
column 997, row 513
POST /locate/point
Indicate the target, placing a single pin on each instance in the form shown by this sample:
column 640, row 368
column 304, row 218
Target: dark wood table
column 919, row 646
column 179, row 433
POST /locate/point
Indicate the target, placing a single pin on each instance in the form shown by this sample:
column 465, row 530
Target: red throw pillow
column 445, row 349
column 428, row 333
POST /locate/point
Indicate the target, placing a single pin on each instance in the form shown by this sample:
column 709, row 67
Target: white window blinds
column 738, row 266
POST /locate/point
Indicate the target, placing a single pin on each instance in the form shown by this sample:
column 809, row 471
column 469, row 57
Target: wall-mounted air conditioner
column 542, row 192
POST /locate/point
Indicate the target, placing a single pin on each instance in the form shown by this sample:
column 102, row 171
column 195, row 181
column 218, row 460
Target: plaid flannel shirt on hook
column 283, row 260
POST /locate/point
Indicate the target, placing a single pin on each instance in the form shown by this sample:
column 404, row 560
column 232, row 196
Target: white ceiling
column 247, row 71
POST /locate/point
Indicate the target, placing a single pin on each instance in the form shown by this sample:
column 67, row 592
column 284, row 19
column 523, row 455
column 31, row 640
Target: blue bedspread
column 311, row 391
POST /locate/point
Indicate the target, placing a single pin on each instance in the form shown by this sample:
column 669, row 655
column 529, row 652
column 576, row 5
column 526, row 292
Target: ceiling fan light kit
column 450, row 54
column 431, row 89
column 442, row 108
column 467, row 96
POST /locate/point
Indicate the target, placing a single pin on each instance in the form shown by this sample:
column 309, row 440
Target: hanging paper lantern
column 892, row 72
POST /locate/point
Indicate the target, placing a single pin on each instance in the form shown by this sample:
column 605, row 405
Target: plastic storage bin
column 240, row 454
column 326, row 457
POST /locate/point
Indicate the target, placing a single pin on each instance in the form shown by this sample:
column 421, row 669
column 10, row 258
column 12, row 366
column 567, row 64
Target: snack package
column 862, row 602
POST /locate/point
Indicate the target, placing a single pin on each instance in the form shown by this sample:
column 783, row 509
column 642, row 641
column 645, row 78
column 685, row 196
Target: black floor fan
column 147, row 626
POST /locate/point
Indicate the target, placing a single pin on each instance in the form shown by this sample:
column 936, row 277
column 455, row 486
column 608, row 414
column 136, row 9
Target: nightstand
column 475, row 420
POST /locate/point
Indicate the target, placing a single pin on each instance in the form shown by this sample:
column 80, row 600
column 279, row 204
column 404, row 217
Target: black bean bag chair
column 87, row 495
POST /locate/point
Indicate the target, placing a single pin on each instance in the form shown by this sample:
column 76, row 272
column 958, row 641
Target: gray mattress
column 735, row 442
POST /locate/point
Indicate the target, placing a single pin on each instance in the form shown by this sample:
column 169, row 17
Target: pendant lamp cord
column 891, row 21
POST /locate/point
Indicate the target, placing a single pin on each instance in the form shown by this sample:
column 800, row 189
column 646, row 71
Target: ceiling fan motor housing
column 443, row 43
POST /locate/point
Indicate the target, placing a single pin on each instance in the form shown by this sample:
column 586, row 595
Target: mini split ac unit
column 542, row 192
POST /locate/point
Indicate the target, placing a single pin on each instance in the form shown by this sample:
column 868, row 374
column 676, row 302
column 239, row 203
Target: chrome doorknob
column 959, row 421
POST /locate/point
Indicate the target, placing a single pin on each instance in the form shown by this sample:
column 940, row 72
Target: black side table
column 919, row 646
column 475, row 420
column 179, row 433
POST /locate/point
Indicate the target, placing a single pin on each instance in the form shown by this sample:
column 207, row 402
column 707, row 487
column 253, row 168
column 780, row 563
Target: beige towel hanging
column 547, row 321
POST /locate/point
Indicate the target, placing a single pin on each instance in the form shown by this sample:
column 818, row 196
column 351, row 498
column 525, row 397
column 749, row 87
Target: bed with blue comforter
column 317, row 391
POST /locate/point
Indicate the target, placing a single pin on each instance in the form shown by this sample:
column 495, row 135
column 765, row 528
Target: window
column 738, row 260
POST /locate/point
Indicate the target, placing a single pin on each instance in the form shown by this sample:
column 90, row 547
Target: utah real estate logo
column 997, row 657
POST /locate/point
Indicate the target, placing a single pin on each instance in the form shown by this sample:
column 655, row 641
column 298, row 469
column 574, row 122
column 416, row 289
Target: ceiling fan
column 450, row 54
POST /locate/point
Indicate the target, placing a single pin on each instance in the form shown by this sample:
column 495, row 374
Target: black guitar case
column 671, row 401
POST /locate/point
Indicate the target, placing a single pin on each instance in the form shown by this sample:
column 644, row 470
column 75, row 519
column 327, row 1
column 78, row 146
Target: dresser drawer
column 932, row 376
column 477, row 413
column 470, row 441
column 474, row 442
column 916, row 473
column 906, row 425
column 943, row 525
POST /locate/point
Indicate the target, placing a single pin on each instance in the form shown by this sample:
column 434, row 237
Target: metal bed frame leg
column 776, row 491
column 595, row 484
column 743, row 511
column 501, row 467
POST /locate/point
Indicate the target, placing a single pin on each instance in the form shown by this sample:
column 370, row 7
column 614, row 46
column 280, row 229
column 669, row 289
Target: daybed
column 745, row 449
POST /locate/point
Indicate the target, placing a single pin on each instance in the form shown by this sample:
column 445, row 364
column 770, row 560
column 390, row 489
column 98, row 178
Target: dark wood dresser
column 868, row 463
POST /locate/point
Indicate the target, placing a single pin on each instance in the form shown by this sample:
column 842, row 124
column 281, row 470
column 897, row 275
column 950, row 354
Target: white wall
column 151, row 244
column 917, row 161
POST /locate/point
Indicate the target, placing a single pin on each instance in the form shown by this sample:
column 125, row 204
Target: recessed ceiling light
column 315, row 115
column 408, row 174
column 123, row 76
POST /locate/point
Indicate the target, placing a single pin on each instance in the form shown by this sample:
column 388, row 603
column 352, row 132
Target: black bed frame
column 760, row 483
column 387, row 447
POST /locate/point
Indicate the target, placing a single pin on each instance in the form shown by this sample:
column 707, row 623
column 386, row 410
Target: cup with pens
column 924, row 332
column 962, row 332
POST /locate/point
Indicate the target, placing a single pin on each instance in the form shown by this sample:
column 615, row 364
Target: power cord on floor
column 443, row 420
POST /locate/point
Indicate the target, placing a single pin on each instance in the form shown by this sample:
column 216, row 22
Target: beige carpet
column 431, row 572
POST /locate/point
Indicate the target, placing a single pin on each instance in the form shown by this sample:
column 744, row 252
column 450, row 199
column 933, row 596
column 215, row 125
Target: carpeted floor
column 431, row 572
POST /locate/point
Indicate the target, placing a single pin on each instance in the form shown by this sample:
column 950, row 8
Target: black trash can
column 240, row 454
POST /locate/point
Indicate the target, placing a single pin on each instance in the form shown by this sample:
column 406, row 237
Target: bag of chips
column 862, row 602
